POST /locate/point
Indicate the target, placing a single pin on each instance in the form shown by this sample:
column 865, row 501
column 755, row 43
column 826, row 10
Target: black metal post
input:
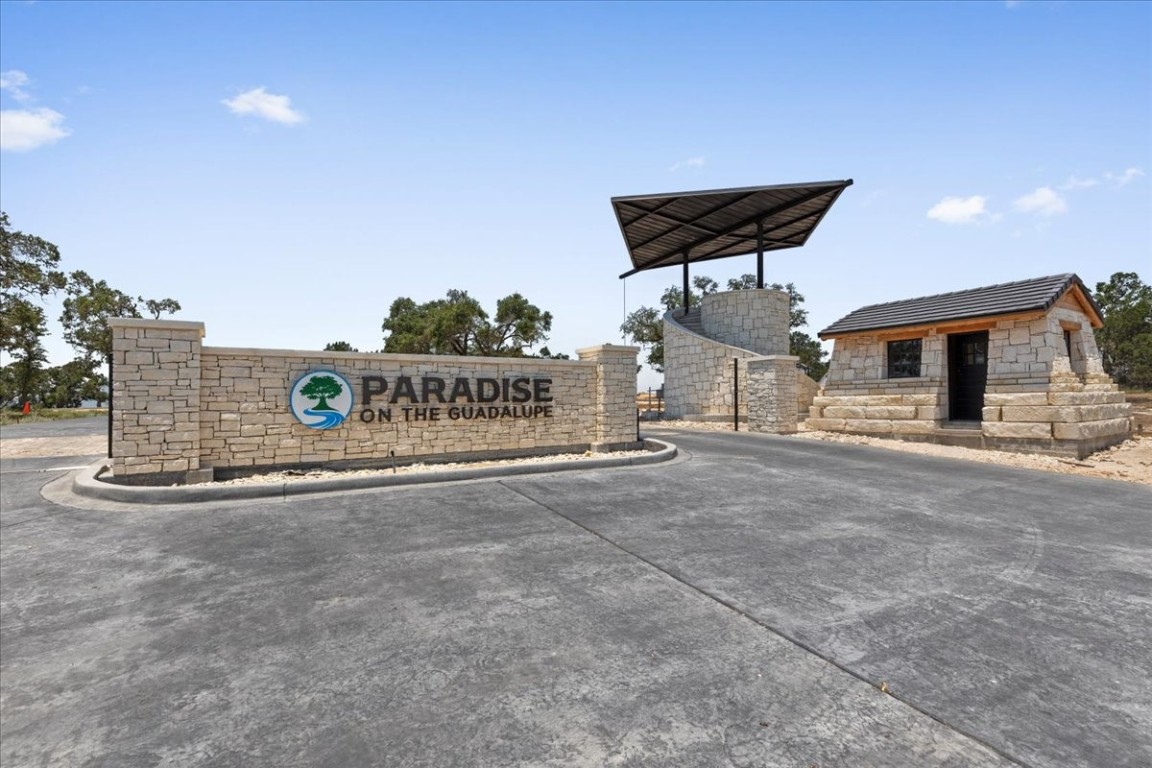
column 735, row 394
column 687, row 291
column 760, row 253
column 109, row 407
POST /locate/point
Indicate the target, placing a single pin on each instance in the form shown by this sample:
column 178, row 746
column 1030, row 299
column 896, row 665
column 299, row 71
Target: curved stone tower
column 699, row 349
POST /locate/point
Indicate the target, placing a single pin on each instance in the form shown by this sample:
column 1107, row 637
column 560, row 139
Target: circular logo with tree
column 321, row 399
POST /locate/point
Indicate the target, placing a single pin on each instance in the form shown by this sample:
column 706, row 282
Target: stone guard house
column 1012, row 366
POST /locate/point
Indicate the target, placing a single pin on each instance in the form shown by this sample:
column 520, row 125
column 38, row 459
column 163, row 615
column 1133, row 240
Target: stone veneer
column 1037, row 398
column 772, row 394
column 182, row 408
column 749, row 325
column 755, row 320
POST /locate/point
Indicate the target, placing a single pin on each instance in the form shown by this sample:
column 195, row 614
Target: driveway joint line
column 779, row 633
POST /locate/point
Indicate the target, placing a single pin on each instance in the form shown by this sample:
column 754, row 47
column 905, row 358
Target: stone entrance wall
column 182, row 409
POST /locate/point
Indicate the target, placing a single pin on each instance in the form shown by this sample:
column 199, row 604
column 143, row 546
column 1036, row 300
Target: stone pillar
column 156, row 399
column 615, row 395
column 771, row 394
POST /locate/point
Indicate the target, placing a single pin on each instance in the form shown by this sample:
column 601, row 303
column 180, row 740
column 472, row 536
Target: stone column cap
column 148, row 322
column 618, row 350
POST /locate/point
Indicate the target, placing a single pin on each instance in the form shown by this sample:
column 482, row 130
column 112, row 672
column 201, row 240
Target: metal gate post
column 110, row 407
column 735, row 394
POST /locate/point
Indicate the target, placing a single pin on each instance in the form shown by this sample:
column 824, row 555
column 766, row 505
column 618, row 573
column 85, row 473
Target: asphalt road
column 757, row 602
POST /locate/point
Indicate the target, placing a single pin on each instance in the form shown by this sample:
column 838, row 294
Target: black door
column 967, row 375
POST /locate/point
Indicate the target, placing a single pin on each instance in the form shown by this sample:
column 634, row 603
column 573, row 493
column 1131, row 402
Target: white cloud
column 692, row 162
column 1044, row 201
column 22, row 130
column 269, row 106
column 14, row 81
column 1075, row 182
column 958, row 210
column 1120, row 179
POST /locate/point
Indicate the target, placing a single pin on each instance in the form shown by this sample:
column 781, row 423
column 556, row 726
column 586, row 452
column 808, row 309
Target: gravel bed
column 294, row 475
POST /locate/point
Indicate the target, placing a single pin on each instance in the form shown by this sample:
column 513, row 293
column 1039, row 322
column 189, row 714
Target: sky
column 287, row 170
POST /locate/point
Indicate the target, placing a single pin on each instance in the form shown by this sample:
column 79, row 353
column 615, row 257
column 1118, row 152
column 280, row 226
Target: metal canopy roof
column 686, row 227
column 1039, row 293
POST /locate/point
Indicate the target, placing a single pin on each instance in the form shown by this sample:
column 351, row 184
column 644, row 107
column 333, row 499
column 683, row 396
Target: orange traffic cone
column 27, row 407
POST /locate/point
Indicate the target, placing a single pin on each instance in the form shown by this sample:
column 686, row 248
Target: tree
column 458, row 325
column 8, row 394
column 321, row 388
column 25, row 325
column 89, row 305
column 27, row 269
column 547, row 354
column 339, row 346
column 69, row 385
column 645, row 326
column 157, row 307
column 1125, row 341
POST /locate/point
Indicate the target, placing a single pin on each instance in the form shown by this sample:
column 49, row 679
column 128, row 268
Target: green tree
column 28, row 268
column 9, row 397
column 339, row 346
column 157, row 307
column 68, row 385
column 25, row 326
column 645, row 326
column 1125, row 341
column 89, row 305
column 321, row 388
column 458, row 325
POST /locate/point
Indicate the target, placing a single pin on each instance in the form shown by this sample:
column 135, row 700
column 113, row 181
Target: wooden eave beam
column 896, row 333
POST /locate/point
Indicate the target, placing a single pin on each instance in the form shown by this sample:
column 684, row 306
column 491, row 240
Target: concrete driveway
column 758, row 602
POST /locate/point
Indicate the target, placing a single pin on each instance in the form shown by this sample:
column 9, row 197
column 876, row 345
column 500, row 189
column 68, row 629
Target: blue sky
column 287, row 170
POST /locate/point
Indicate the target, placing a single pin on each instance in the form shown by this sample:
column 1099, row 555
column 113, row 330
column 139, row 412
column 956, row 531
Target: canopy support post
column 687, row 289
column 760, row 253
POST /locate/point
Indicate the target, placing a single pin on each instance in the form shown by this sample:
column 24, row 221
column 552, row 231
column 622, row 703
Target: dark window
column 1068, row 343
column 904, row 359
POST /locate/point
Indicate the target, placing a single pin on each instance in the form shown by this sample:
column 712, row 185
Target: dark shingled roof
column 1006, row 298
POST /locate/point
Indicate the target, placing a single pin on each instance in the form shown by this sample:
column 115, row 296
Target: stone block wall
column 179, row 406
column 698, row 375
column 755, row 320
column 1039, row 392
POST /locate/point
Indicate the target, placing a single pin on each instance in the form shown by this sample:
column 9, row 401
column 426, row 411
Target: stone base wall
column 180, row 407
column 915, row 413
column 1069, row 410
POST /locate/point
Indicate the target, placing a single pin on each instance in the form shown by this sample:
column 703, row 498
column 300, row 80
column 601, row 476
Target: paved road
column 742, row 605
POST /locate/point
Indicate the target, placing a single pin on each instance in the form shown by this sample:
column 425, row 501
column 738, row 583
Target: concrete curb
column 86, row 482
